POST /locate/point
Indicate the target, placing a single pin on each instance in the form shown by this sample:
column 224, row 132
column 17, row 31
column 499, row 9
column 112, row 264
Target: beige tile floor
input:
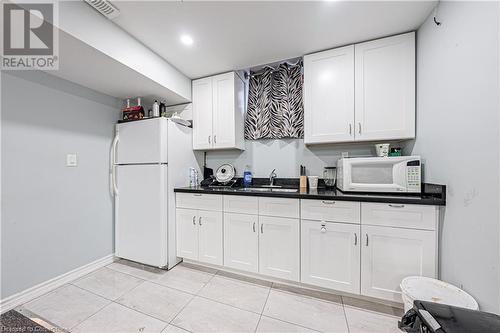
column 127, row 297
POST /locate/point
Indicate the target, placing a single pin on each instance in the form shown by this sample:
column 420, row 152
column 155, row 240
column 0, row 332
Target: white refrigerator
column 149, row 158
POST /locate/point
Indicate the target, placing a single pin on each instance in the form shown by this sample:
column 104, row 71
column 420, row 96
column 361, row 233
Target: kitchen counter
column 432, row 194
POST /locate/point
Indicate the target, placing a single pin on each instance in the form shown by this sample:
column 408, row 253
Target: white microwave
column 379, row 174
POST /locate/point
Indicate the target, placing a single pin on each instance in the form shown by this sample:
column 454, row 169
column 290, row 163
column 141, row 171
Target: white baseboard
column 300, row 285
column 24, row 296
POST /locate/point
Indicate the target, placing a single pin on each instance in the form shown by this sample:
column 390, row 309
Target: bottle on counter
column 156, row 109
column 193, row 177
column 247, row 177
column 163, row 108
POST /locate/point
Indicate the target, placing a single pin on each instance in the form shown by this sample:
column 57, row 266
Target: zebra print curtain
column 275, row 108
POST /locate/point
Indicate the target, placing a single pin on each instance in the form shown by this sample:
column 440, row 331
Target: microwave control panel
column 413, row 176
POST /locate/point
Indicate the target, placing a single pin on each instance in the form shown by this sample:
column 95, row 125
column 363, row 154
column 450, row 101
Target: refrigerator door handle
column 114, row 188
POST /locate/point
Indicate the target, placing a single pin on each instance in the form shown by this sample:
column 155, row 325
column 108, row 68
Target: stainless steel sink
column 254, row 189
column 289, row 190
column 268, row 189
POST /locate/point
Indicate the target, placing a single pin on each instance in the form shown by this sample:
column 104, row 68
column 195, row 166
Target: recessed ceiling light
column 187, row 40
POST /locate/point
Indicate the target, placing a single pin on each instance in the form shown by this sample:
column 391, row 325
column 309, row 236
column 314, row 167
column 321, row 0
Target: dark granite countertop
column 432, row 194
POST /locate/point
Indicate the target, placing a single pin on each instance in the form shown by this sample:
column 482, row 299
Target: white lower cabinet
column 187, row 233
column 210, row 248
column 279, row 253
column 241, row 241
column 330, row 255
column 199, row 235
column 390, row 254
column 358, row 248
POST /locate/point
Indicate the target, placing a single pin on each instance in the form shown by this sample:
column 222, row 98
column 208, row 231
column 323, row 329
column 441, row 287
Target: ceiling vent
column 104, row 7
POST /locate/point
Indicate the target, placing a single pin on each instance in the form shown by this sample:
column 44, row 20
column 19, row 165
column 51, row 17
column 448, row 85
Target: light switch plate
column 71, row 160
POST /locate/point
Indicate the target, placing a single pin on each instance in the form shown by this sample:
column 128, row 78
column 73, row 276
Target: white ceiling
column 240, row 35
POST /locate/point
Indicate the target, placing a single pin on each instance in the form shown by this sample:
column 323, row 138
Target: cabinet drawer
column 399, row 215
column 329, row 210
column 199, row 201
column 241, row 204
column 279, row 207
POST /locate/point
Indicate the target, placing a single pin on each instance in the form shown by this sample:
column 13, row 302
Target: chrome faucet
column 271, row 177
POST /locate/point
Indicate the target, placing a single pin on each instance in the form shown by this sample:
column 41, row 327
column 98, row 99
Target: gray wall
column 285, row 155
column 54, row 218
column 458, row 136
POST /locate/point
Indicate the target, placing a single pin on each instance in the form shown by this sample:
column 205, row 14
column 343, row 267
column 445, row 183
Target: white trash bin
column 432, row 290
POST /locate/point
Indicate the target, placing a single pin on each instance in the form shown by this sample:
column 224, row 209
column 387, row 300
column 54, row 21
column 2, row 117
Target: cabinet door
column 241, row 243
column 224, row 112
column 385, row 88
column 187, row 233
column 329, row 96
column 391, row 254
column 330, row 255
column 279, row 247
column 202, row 113
column 210, row 237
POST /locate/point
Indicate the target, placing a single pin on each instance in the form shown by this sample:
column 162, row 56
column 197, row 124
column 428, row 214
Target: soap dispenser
column 247, row 177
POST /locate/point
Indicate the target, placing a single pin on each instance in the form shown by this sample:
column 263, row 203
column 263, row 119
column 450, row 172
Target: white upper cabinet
column 202, row 113
column 329, row 96
column 385, row 88
column 361, row 92
column 218, row 107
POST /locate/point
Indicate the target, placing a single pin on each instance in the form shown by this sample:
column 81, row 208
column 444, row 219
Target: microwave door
column 373, row 176
column 399, row 176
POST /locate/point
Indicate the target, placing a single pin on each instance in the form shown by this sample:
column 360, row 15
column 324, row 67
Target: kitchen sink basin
column 268, row 189
column 254, row 189
column 289, row 190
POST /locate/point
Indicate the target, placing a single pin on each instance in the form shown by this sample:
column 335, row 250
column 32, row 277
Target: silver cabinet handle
column 366, row 239
column 323, row 228
column 262, row 228
column 328, row 202
column 396, row 206
column 359, row 128
column 350, row 129
column 253, row 227
column 194, row 220
column 215, row 138
column 355, row 239
column 197, row 195
column 199, row 221
column 209, row 139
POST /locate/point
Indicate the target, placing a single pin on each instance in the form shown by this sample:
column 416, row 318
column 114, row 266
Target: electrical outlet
column 71, row 160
